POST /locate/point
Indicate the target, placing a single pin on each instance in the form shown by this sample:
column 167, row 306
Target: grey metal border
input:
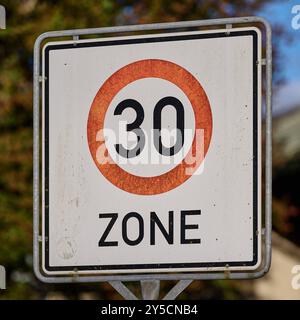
column 76, row 33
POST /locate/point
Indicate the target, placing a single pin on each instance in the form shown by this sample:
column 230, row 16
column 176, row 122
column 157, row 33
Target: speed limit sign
column 151, row 153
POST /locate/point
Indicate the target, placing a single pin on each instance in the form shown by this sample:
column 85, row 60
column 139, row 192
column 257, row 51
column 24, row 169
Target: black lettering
column 113, row 218
column 140, row 228
column 169, row 236
column 184, row 226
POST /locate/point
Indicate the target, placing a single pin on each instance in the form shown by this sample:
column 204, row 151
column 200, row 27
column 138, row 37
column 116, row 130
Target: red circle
column 150, row 68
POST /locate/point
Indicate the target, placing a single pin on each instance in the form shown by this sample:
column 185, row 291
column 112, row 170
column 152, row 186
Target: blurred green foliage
column 26, row 19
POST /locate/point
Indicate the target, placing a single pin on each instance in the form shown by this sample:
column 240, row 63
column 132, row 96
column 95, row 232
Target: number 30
column 140, row 115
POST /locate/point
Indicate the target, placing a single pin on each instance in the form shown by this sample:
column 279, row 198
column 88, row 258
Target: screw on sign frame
column 153, row 68
column 115, row 280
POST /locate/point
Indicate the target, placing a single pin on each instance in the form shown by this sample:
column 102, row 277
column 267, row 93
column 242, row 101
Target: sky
column 280, row 13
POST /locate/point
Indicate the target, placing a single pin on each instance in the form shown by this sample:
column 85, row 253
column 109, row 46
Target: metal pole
column 2, row 278
column 123, row 290
column 150, row 289
column 2, row 18
column 177, row 289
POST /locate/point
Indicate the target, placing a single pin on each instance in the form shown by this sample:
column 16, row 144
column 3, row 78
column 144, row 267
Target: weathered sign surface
column 151, row 153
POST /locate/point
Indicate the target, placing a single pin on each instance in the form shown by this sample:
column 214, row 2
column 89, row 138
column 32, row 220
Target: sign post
column 2, row 18
column 151, row 162
column 2, row 277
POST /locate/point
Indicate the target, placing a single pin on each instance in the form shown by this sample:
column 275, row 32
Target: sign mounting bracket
column 150, row 290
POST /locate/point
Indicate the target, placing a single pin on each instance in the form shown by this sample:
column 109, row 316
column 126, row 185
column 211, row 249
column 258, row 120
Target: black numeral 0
column 179, row 124
column 135, row 126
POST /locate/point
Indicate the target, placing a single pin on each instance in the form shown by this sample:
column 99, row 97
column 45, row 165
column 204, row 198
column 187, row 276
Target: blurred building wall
column 277, row 284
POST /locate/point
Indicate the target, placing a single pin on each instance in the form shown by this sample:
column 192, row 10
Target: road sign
column 151, row 153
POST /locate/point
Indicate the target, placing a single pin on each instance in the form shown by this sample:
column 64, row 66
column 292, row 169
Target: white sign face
column 151, row 153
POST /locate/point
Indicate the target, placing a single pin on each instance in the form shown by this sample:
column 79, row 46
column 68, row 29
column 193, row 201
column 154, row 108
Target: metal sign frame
column 2, row 26
column 188, row 277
